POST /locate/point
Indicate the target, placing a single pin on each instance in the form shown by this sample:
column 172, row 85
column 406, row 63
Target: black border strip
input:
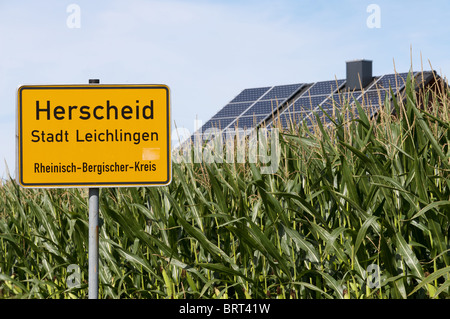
column 96, row 87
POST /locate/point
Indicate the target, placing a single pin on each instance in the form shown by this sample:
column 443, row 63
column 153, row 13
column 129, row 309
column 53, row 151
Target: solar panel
column 331, row 103
column 217, row 123
column 393, row 80
column 262, row 107
column 374, row 97
column 245, row 122
column 324, row 119
column 290, row 119
column 266, row 105
column 282, row 92
column 324, row 87
column 317, row 94
column 250, row 94
column 306, row 103
column 370, row 111
column 232, row 109
column 340, row 99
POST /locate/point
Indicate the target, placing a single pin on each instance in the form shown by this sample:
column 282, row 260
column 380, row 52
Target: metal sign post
column 93, row 235
column 93, row 242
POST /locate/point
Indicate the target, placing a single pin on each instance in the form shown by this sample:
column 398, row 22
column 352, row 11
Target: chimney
column 359, row 73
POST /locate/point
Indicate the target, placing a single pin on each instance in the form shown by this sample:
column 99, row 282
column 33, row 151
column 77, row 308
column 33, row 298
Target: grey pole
column 93, row 235
column 93, row 243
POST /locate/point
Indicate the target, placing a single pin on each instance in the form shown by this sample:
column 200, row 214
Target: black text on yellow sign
column 93, row 135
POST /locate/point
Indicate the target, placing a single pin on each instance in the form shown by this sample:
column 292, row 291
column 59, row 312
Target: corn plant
column 358, row 208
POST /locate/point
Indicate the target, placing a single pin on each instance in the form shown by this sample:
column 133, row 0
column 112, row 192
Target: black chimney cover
column 359, row 74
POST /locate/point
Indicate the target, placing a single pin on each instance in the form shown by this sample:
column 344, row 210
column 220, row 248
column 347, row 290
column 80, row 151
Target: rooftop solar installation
column 371, row 100
column 396, row 81
column 309, row 101
column 265, row 106
column 375, row 96
column 250, row 107
column 299, row 103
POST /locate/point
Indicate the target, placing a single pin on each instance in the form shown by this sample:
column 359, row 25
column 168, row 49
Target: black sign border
column 88, row 184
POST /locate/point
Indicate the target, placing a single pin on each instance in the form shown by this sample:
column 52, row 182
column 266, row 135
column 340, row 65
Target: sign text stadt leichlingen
column 93, row 135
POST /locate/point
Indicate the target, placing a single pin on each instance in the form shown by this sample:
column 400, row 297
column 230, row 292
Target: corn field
column 359, row 209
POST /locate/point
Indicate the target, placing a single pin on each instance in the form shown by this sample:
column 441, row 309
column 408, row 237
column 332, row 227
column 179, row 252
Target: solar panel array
column 265, row 106
column 375, row 96
column 302, row 108
column 319, row 100
column 255, row 106
column 251, row 107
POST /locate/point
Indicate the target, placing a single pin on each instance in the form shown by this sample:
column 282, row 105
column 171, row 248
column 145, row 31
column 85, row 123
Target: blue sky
column 208, row 51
